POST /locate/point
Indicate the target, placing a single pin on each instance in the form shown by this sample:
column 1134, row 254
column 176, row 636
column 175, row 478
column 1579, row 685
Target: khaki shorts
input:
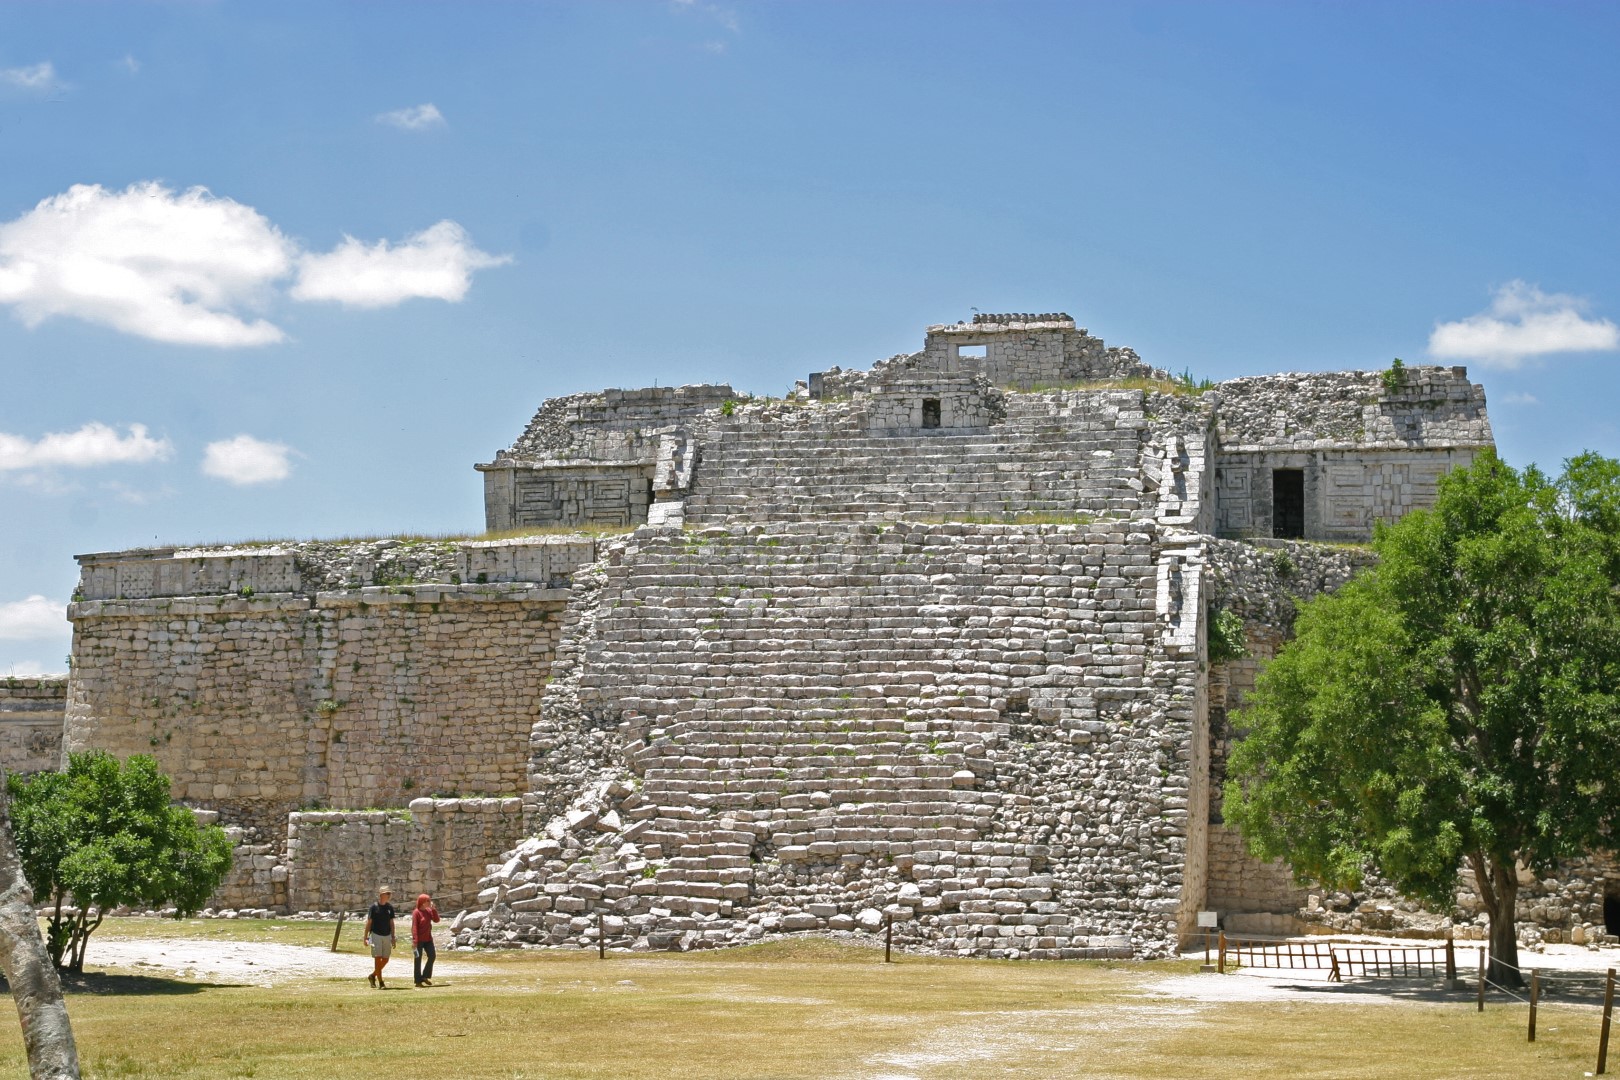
column 382, row 946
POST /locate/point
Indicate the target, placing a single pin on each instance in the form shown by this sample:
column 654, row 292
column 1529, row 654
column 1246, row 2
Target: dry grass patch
column 799, row 1009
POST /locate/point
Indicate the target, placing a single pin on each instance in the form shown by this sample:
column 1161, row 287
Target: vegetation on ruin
column 1023, row 517
column 1187, row 384
column 805, row 1008
column 1455, row 704
column 100, row 835
column 410, row 539
column 1183, row 385
column 1226, row 642
column 1394, row 378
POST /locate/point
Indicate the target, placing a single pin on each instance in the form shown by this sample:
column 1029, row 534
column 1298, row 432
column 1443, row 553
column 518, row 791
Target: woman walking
column 422, row 920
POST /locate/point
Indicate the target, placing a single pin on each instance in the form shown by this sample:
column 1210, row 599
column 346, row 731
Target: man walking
column 380, row 933
column 422, row 920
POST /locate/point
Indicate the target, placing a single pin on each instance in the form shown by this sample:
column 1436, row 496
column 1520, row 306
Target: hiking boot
column 372, row 979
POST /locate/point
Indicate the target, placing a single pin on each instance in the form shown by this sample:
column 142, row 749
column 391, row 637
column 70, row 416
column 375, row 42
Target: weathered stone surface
column 32, row 708
column 923, row 644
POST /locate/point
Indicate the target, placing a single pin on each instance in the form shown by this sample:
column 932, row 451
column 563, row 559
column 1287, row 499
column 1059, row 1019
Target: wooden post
column 1535, row 993
column 1451, row 963
column 1481, row 979
column 888, row 939
column 1221, row 955
column 1603, row 1037
column 337, row 932
column 601, row 936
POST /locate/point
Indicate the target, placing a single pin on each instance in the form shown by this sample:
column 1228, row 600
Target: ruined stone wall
column 31, row 711
column 221, row 690
column 284, row 683
column 1240, row 884
column 1432, row 407
column 590, row 459
column 259, row 706
column 1029, row 350
column 336, row 860
column 257, row 880
column 989, row 731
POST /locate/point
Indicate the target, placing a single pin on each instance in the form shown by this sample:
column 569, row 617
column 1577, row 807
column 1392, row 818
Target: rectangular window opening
column 930, row 412
column 1288, row 504
column 1611, row 908
column 972, row 352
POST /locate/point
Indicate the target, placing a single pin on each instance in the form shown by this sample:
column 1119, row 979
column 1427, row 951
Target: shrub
column 101, row 835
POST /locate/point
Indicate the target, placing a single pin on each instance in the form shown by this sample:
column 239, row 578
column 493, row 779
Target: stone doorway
column 1288, row 504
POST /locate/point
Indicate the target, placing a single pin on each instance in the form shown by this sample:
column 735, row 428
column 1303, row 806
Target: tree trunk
column 1501, row 903
column 47, row 1034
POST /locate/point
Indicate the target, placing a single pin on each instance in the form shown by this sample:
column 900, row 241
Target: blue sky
column 420, row 220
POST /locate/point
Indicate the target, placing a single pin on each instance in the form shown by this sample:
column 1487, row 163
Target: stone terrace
column 1055, row 452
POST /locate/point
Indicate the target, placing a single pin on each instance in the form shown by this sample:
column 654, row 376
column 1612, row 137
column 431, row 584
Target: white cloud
column 35, row 617
column 172, row 267
column 436, row 263
column 726, row 17
column 415, row 118
column 1520, row 398
column 245, row 460
column 190, row 268
column 91, row 445
column 131, row 65
column 1523, row 322
column 40, row 78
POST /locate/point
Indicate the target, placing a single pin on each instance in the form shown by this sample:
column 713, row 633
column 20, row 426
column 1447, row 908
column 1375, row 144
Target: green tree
column 1454, row 705
column 101, row 835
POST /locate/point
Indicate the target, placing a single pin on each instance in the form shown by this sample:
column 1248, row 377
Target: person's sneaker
column 372, row 979
column 381, row 985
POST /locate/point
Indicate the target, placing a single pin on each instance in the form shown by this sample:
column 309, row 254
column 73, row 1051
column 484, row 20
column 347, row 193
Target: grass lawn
column 804, row 1008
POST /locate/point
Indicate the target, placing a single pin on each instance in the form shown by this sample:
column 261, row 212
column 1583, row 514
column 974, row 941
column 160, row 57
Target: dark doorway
column 930, row 412
column 1288, row 504
column 1611, row 911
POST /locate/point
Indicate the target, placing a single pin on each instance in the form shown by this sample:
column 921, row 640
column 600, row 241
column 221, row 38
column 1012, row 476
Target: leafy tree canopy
column 1456, row 704
column 100, row 835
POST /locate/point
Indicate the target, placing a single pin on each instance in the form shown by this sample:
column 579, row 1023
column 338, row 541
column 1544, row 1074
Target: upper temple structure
column 929, row 642
column 1007, row 414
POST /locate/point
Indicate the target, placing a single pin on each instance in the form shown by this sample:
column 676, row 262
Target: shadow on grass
column 1558, row 986
column 102, row 983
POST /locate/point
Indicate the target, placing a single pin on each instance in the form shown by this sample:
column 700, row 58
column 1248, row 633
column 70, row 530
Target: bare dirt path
column 256, row 963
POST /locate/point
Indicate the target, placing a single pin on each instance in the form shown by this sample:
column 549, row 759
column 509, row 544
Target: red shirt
column 422, row 920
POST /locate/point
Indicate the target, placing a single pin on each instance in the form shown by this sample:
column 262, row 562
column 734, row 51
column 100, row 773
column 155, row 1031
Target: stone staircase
column 824, row 726
column 1056, row 452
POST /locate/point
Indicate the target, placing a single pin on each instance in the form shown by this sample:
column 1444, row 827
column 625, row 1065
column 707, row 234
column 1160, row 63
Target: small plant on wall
column 1226, row 636
column 1395, row 378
